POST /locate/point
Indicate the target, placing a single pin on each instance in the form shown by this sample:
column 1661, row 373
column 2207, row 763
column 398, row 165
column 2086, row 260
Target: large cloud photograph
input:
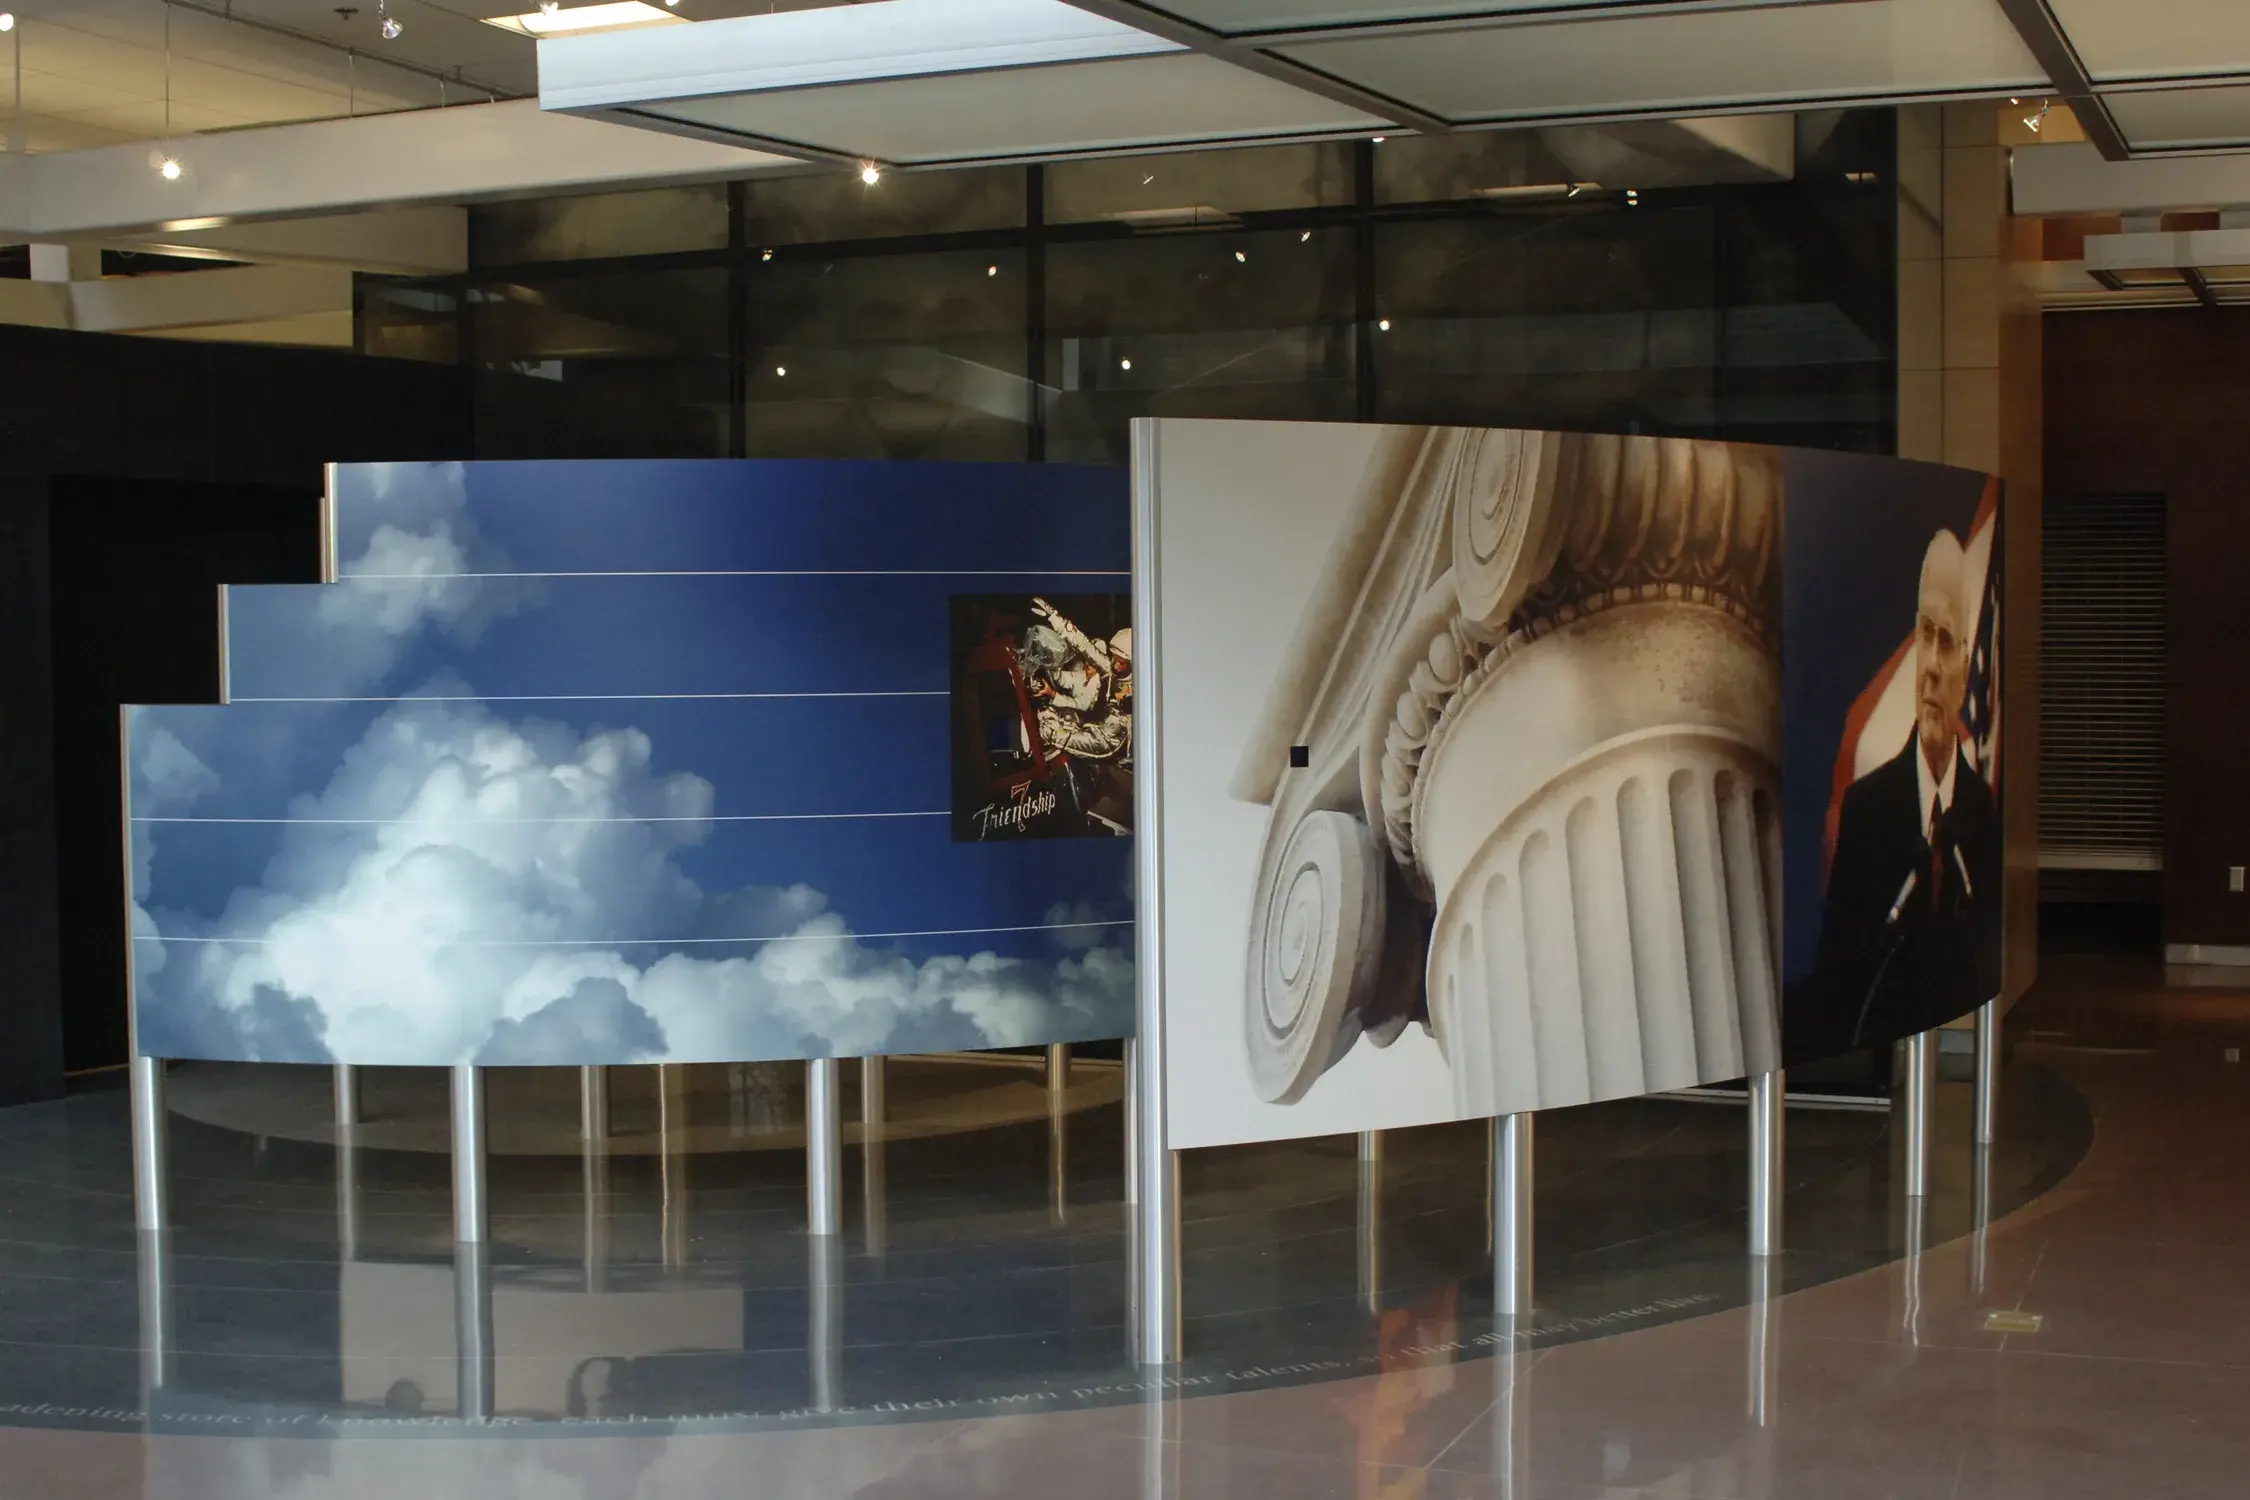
column 620, row 763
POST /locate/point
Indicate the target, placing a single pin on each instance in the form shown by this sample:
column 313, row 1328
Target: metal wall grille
column 2101, row 662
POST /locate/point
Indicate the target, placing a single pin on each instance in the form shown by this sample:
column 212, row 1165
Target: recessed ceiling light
column 583, row 20
column 7, row 20
column 870, row 174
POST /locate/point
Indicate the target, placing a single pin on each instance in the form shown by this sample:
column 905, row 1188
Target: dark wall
column 2159, row 401
column 135, row 474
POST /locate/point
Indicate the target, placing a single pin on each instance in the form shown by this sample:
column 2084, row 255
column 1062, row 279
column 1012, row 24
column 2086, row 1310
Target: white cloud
column 430, row 936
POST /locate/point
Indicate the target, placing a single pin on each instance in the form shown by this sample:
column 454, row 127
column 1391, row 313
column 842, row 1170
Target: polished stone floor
column 1333, row 1352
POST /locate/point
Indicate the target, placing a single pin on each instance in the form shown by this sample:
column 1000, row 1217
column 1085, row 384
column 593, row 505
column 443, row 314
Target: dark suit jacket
column 1878, row 978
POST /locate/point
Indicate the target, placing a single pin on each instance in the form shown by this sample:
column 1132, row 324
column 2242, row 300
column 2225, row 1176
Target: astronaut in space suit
column 1084, row 686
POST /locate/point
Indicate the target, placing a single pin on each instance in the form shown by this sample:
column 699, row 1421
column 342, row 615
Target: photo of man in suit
column 1910, row 937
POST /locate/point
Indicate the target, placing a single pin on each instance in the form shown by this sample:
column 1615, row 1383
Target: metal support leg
column 874, row 1184
column 347, row 1096
column 151, row 1205
column 1767, row 1161
column 593, row 1166
column 824, row 1330
column 593, row 1103
column 1058, row 1067
column 1980, row 1219
column 1132, row 1110
column 1914, row 1220
column 1511, row 1216
column 1988, row 1072
column 1915, row 1102
column 672, row 1162
column 155, row 1266
column 824, row 1148
column 472, row 1210
column 472, row 1330
column 874, row 1103
column 1371, row 1219
column 1058, row 1160
column 347, row 1192
column 1158, row 1227
column 1511, row 1425
column 1763, row 1313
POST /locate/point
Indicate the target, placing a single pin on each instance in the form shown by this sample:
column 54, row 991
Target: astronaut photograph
column 1042, row 693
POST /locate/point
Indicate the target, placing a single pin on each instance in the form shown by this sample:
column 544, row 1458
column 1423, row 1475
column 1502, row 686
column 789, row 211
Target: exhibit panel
column 1468, row 757
column 1893, row 861
column 654, row 762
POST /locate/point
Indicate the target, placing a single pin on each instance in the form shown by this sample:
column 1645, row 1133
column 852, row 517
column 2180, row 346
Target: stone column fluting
column 1547, row 820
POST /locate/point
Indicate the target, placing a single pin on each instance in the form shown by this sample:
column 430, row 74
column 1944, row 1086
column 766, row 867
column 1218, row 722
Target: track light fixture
column 2032, row 122
column 390, row 24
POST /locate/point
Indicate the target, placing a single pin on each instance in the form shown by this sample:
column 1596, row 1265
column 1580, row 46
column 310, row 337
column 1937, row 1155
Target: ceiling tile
column 2157, row 38
column 1030, row 111
column 1237, row 16
column 2183, row 117
column 1656, row 64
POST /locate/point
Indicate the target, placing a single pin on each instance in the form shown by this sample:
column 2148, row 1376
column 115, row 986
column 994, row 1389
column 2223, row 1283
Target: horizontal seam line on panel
column 516, row 822
column 789, row 937
column 766, row 573
column 578, row 697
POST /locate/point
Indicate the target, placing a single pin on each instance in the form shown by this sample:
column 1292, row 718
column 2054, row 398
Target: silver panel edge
column 226, row 652
column 1156, row 1226
column 328, row 523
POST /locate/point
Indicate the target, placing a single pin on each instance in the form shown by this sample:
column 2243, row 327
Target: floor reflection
column 314, row 1288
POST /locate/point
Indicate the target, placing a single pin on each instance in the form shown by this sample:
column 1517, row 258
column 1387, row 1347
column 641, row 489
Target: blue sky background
column 428, row 828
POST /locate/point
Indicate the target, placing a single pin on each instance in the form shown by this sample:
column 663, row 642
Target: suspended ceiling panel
column 1695, row 61
column 1175, row 100
column 1253, row 17
column 2134, row 39
column 2190, row 119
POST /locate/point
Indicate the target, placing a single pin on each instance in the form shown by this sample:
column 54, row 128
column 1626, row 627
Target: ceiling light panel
column 587, row 20
column 884, row 39
column 1695, row 61
column 2157, row 38
column 2183, row 119
column 1238, row 17
column 1025, row 113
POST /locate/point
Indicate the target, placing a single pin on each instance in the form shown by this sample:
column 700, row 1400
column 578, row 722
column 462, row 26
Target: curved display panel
column 1894, row 728
column 654, row 762
column 1468, row 791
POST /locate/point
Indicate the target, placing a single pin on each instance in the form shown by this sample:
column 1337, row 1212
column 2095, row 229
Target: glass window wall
column 1729, row 278
column 887, row 356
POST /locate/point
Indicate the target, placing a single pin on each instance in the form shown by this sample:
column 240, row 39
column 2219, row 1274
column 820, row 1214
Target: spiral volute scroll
column 1505, row 525
column 1315, row 950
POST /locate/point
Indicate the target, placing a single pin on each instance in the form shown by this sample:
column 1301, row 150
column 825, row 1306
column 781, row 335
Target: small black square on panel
column 1300, row 756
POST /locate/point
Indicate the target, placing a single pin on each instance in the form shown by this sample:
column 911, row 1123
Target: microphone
column 1913, row 879
column 1968, row 886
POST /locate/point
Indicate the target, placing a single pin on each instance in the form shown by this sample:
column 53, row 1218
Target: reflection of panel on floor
column 1000, row 1312
column 399, row 1338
